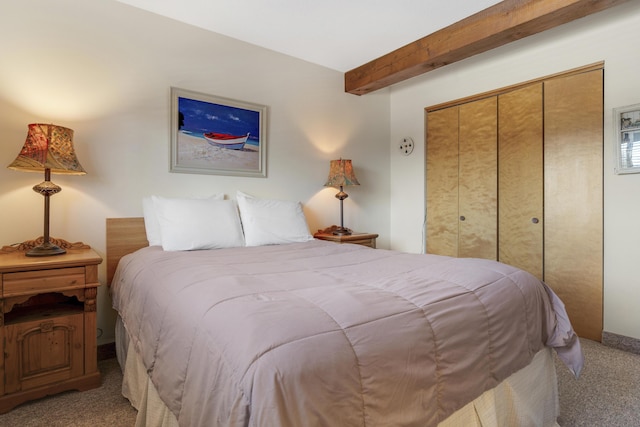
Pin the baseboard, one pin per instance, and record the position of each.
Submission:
(107, 351)
(620, 342)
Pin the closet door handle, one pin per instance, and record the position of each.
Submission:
(462, 218)
(535, 220)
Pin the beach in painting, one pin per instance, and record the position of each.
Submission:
(195, 151)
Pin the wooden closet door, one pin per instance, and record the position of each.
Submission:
(442, 182)
(573, 114)
(477, 179)
(520, 179)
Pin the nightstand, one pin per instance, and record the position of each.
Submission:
(47, 324)
(364, 239)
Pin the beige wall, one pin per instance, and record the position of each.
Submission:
(105, 70)
(609, 36)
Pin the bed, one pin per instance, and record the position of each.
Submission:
(312, 333)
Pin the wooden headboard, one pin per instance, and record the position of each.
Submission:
(124, 235)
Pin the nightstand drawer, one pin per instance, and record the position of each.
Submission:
(363, 239)
(33, 282)
(370, 242)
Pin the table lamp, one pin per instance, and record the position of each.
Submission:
(48, 148)
(340, 175)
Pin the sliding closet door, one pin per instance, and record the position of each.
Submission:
(520, 178)
(442, 182)
(573, 114)
(477, 179)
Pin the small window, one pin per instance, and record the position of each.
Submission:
(627, 139)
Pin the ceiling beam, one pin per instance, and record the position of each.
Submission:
(495, 26)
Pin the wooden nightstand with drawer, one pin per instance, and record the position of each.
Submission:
(365, 239)
(47, 324)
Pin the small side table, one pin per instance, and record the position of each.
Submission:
(47, 324)
(364, 239)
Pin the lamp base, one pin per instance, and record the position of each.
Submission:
(31, 244)
(341, 231)
(337, 230)
(46, 249)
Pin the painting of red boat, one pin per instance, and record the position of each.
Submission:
(226, 140)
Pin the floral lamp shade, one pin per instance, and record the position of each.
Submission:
(48, 147)
(341, 174)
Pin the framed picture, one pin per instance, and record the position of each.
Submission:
(219, 136)
(627, 138)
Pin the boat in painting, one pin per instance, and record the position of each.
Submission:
(226, 140)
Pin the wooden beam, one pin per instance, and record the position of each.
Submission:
(495, 26)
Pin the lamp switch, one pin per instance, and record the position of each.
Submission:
(406, 146)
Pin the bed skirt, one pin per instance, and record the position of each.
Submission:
(528, 398)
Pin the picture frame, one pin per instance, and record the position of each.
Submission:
(217, 136)
(626, 122)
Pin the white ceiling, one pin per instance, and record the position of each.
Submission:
(338, 34)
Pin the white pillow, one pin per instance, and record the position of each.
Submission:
(151, 225)
(272, 222)
(190, 224)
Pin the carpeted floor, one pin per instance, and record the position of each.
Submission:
(607, 394)
(100, 407)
